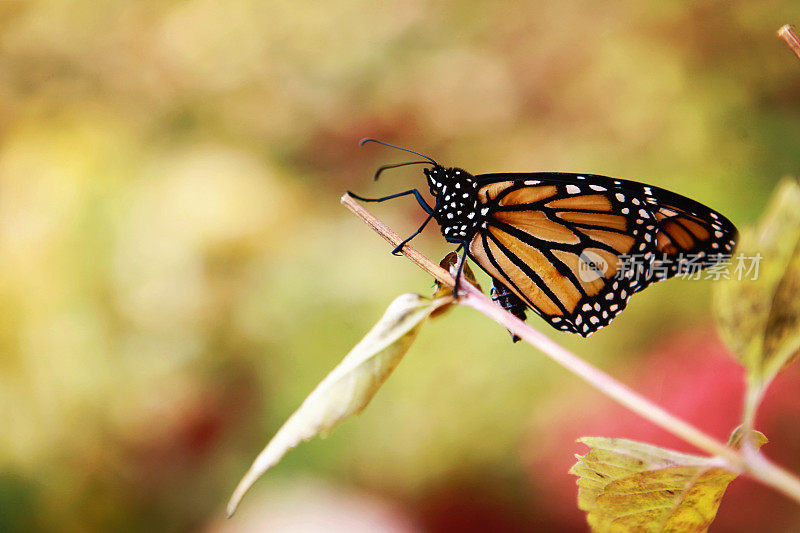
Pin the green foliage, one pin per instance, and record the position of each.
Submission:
(760, 318)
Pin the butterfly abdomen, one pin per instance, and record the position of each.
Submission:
(508, 301)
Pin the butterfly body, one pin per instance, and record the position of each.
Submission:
(572, 247)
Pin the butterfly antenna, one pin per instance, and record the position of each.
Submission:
(387, 167)
(369, 139)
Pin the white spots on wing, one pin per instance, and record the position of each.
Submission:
(625, 210)
(484, 210)
(620, 197)
(597, 188)
(532, 182)
(573, 189)
(594, 320)
(643, 213)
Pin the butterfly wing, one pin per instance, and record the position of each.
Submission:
(689, 236)
(560, 241)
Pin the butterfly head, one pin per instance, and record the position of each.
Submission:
(456, 192)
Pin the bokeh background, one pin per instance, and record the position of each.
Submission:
(176, 272)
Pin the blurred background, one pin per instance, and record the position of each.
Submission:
(177, 274)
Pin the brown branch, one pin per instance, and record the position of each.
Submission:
(394, 239)
(788, 34)
(756, 465)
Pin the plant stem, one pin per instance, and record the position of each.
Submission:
(788, 34)
(602, 381)
(394, 239)
(770, 474)
(752, 399)
(758, 466)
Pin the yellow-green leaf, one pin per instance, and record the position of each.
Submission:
(348, 388)
(626, 485)
(782, 333)
(760, 318)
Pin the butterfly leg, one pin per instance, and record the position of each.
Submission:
(399, 247)
(428, 209)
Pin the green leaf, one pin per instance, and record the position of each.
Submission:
(626, 485)
(782, 334)
(760, 318)
(347, 390)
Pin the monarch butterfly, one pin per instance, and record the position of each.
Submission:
(562, 244)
